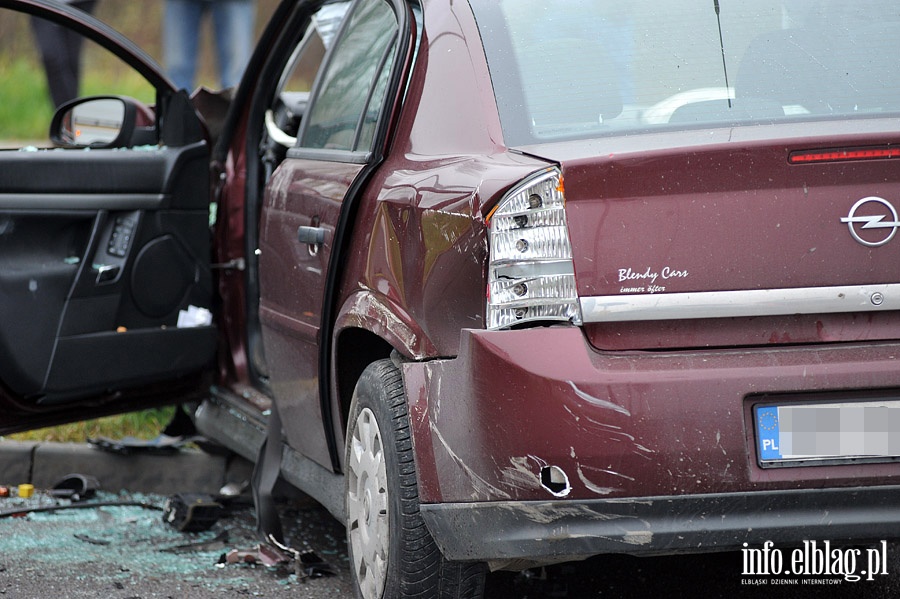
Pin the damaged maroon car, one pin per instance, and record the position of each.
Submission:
(501, 283)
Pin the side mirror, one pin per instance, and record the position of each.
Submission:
(95, 122)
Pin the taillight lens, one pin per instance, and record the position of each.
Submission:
(531, 276)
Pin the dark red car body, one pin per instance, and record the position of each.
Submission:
(714, 275)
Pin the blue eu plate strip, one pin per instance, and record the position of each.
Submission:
(767, 433)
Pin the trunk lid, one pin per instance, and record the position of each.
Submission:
(804, 251)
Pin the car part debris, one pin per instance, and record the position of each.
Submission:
(192, 512)
(76, 487)
(234, 489)
(162, 444)
(265, 476)
(313, 566)
(215, 544)
(264, 554)
(23, 511)
(306, 564)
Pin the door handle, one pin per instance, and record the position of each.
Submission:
(106, 273)
(311, 235)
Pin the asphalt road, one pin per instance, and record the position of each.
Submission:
(130, 553)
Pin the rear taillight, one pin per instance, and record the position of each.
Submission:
(531, 276)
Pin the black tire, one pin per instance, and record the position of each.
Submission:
(407, 563)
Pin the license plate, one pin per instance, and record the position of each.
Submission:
(825, 433)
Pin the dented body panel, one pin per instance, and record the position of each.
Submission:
(491, 426)
(621, 425)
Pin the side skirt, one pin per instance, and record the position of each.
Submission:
(225, 420)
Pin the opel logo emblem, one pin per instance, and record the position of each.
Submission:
(879, 209)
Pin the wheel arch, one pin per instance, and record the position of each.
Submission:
(368, 328)
(355, 349)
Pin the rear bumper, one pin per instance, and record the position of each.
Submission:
(534, 434)
(525, 533)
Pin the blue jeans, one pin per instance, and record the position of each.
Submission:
(233, 26)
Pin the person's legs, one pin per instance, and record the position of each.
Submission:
(233, 21)
(61, 81)
(60, 50)
(181, 31)
(72, 42)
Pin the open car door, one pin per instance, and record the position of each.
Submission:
(102, 245)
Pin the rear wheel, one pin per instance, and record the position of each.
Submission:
(392, 554)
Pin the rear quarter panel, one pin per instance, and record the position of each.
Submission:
(419, 240)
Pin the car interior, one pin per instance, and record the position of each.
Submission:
(102, 246)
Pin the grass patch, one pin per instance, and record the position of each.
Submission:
(146, 424)
(25, 106)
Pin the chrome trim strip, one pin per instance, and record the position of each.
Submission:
(752, 302)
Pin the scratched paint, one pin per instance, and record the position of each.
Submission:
(596, 401)
(593, 487)
(520, 475)
(481, 489)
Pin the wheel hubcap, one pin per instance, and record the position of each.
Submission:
(367, 505)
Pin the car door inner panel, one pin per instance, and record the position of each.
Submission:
(99, 252)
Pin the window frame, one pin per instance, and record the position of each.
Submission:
(356, 155)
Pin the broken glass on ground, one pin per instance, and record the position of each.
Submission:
(121, 539)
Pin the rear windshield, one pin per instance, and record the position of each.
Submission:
(566, 69)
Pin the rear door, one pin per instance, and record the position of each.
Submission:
(100, 250)
(306, 200)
